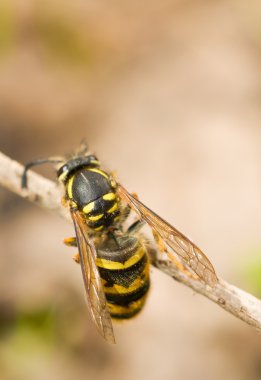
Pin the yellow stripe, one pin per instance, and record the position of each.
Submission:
(113, 208)
(88, 208)
(109, 196)
(107, 264)
(98, 171)
(69, 187)
(63, 175)
(134, 306)
(118, 289)
(96, 217)
(98, 228)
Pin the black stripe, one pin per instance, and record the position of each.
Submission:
(124, 277)
(127, 298)
(100, 206)
(133, 310)
(106, 220)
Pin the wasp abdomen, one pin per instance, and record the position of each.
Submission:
(124, 269)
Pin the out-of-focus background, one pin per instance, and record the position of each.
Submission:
(168, 94)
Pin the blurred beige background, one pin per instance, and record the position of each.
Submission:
(168, 94)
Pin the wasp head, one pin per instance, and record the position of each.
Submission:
(69, 167)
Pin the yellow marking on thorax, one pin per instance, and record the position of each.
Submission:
(89, 207)
(69, 187)
(113, 208)
(96, 217)
(109, 196)
(99, 171)
(63, 176)
(114, 265)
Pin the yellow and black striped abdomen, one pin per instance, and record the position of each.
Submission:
(92, 192)
(124, 269)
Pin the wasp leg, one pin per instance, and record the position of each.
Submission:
(138, 224)
(76, 258)
(112, 235)
(135, 195)
(124, 213)
(162, 247)
(64, 201)
(135, 227)
(54, 160)
(70, 242)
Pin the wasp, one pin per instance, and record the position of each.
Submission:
(115, 261)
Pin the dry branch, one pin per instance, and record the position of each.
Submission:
(47, 194)
(41, 191)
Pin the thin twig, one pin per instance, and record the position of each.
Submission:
(234, 300)
(47, 194)
(41, 191)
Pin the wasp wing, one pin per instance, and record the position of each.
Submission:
(180, 245)
(95, 295)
